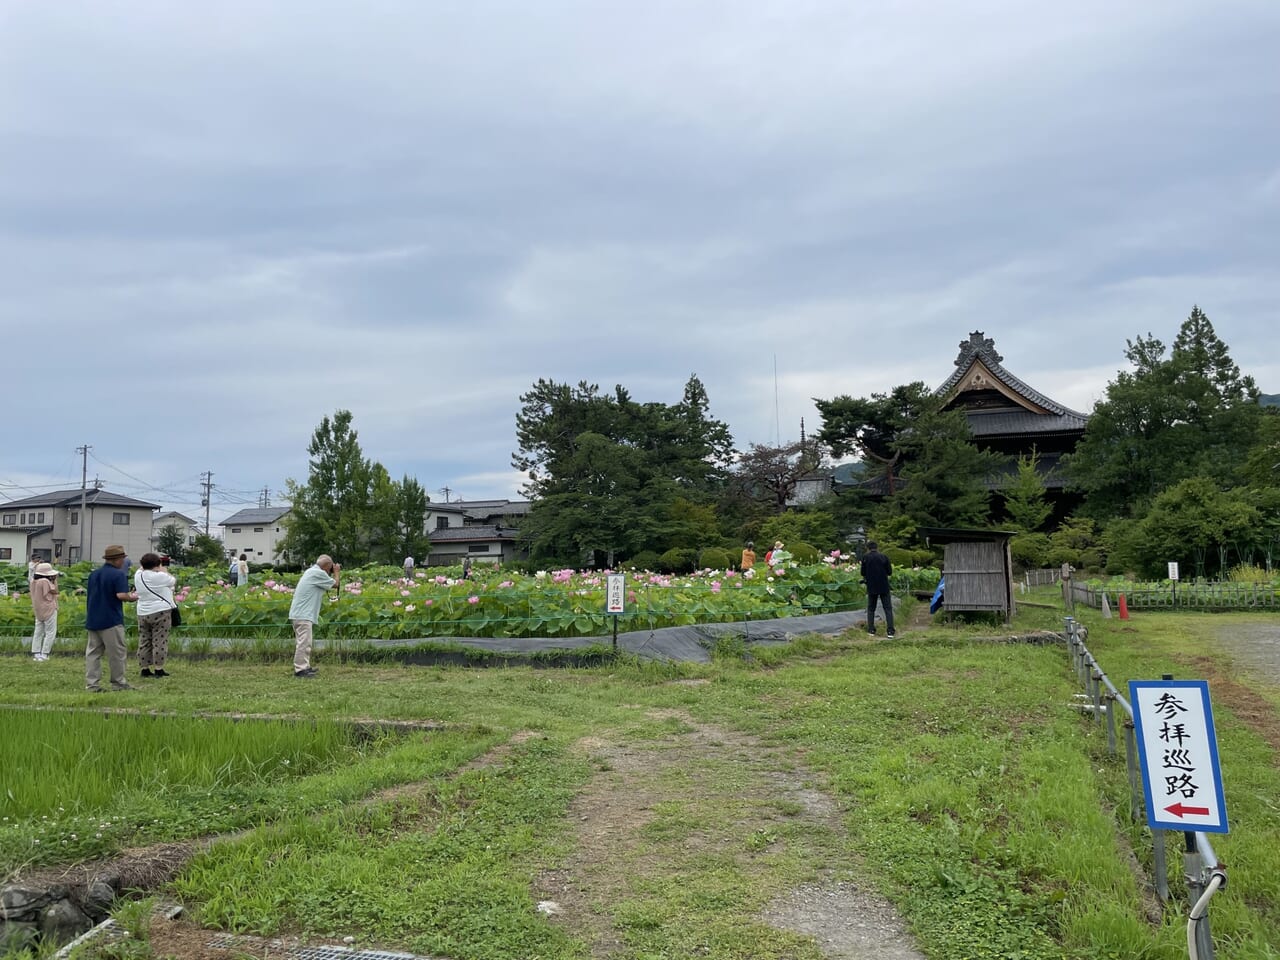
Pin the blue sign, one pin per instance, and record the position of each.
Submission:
(1178, 749)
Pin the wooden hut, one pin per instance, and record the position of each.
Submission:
(978, 568)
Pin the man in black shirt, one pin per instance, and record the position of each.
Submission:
(876, 571)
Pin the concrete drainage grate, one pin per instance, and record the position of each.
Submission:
(294, 951)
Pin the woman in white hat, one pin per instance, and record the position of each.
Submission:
(44, 602)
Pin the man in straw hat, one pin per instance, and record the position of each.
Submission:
(44, 603)
(108, 589)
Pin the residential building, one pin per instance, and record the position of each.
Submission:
(482, 542)
(59, 530)
(256, 532)
(484, 530)
(171, 518)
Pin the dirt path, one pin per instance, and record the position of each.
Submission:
(706, 791)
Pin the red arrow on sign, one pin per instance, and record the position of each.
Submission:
(1178, 810)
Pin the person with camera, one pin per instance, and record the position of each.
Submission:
(304, 612)
(106, 592)
(154, 584)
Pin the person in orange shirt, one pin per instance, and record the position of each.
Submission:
(748, 557)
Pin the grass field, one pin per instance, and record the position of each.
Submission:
(668, 809)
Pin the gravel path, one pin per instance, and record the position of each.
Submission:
(1255, 648)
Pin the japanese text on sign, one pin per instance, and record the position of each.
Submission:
(1179, 753)
(615, 593)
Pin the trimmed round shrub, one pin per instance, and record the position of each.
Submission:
(804, 552)
(644, 560)
(1030, 550)
(899, 556)
(715, 558)
(678, 560)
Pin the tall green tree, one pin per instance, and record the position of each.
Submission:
(205, 550)
(875, 428)
(1196, 523)
(934, 474)
(605, 471)
(171, 542)
(1025, 501)
(1167, 419)
(329, 512)
(350, 507)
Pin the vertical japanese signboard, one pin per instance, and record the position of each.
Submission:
(615, 593)
(1173, 569)
(1179, 753)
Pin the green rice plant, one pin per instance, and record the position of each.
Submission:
(81, 762)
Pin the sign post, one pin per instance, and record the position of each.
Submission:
(615, 603)
(1178, 748)
(1173, 576)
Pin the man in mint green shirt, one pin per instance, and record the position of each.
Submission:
(304, 612)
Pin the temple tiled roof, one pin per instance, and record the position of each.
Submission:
(1055, 417)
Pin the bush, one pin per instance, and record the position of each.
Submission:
(899, 556)
(678, 560)
(715, 558)
(804, 552)
(1030, 550)
(644, 560)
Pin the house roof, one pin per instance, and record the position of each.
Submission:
(1019, 408)
(68, 498)
(173, 515)
(507, 507)
(445, 508)
(475, 533)
(252, 515)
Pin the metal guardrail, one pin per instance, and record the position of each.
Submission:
(1205, 874)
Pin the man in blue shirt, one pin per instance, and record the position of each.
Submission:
(107, 591)
(304, 612)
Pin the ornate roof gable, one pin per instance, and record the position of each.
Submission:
(978, 367)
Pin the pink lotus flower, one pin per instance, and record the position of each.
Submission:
(428, 602)
(404, 593)
(410, 608)
(473, 599)
(506, 583)
(396, 603)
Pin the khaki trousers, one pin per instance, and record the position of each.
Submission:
(302, 644)
(110, 640)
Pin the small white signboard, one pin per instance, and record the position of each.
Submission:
(1173, 569)
(1179, 752)
(615, 593)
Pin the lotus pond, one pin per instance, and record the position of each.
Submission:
(378, 602)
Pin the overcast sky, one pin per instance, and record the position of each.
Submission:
(221, 222)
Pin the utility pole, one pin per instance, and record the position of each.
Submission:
(446, 491)
(264, 498)
(206, 479)
(84, 481)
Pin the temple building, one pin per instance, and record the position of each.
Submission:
(1012, 418)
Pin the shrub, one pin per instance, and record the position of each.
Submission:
(644, 560)
(1030, 550)
(804, 552)
(1247, 573)
(678, 560)
(899, 556)
(715, 558)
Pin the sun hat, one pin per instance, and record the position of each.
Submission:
(112, 552)
(46, 570)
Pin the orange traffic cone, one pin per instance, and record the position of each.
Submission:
(1124, 608)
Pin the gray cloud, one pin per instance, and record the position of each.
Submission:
(234, 223)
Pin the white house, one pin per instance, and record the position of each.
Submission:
(171, 518)
(255, 532)
(57, 533)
